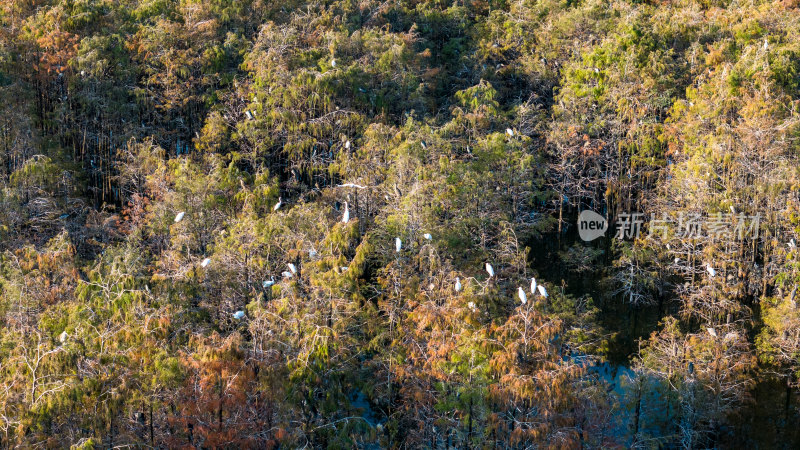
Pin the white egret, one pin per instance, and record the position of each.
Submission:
(471, 306)
(63, 336)
(312, 253)
(179, 216)
(343, 268)
(333, 62)
(427, 236)
(677, 260)
(533, 286)
(346, 216)
(792, 244)
(292, 268)
(458, 284)
(712, 331)
(522, 297)
(542, 291)
(510, 132)
(268, 283)
(347, 145)
(710, 270)
(278, 205)
(238, 315)
(205, 262)
(398, 244)
(286, 274)
(489, 270)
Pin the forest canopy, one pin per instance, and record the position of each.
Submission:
(341, 224)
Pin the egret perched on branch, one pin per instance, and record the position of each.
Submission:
(286, 274)
(347, 145)
(458, 284)
(542, 291)
(712, 331)
(205, 262)
(268, 283)
(533, 286)
(346, 216)
(427, 236)
(510, 132)
(238, 315)
(292, 268)
(710, 270)
(398, 245)
(489, 270)
(278, 205)
(333, 62)
(179, 216)
(522, 297)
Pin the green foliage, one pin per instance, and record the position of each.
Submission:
(176, 270)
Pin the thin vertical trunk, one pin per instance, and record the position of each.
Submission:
(152, 431)
(219, 410)
(469, 433)
(788, 404)
(637, 413)
(560, 216)
(111, 428)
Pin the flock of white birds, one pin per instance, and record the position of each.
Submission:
(523, 297)
(398, 246)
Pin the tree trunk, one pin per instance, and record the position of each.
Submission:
(152, 431)
(469, 432)
(788, 405)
